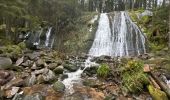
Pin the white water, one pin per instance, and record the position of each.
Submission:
(48, 34)
(124, 39)
(127, 38)
(102, 44)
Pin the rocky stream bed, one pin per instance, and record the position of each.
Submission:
(39, 75)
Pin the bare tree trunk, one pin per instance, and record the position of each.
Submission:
(169, 27)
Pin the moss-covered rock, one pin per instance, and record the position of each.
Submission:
(157, 94)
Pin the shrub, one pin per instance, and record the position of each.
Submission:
(103, 70)
(133, 77)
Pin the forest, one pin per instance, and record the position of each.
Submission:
(84, 49)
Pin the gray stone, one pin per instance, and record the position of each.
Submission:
(5, 63)
(40, 63)
(52, 65)
(19, 61)
(36, 96)
(31, 80)
(59, 86)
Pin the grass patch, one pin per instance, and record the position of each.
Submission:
(133, 77)
(103, 70)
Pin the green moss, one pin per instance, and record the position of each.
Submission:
(22, 45)
(11, 50)
(157, 94)
(133, 77)
(103, 70)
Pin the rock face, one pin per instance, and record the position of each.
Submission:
(59, 86)
(5, 63)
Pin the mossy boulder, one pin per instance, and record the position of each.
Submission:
(157, 94)
(59, 70)
(5, 63)
(59, 86)
(71, 67)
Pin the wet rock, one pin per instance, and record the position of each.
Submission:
(11, 92)
(90, 71)
(52, 65)
(5, 76)
(36, 96)
(92, 82)
(63, 76)
(31, 80)
(59, 86)
(5, 63)
(71, 67)
(59, 70)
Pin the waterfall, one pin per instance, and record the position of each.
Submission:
(125, 39)
(48, 34)
(102, 44)
(128, 40)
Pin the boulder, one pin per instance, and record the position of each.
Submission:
(40, 63)
(59, 86)
(52, 65)
(46, 77)
(5, 63)
(59, 70)
(71, 67)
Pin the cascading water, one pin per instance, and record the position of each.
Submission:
(102, 44)
(125, 39)
(48, 34)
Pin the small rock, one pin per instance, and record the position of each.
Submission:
(5, 76)
(59, 70)
(47, 77)
(12, 92)
(34, 66)
(36, 96)
(31, 80)
(41, 71)
(59, 86)
(146, 68)
(52, 65)
(28, 63)
(19, 61)
(5, 63)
